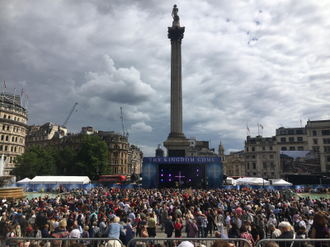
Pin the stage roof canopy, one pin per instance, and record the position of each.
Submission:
(59, 180)
(24, 181)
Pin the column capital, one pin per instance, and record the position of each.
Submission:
(175, 33)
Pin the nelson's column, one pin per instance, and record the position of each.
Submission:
(176, 143)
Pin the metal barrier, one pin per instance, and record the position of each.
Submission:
(171, 242)
(61, 242)
(296, 242)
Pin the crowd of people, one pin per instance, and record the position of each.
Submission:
(126, 214)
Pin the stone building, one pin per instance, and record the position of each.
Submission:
(13, 126)
(41, 134)
(291, 139)
(221, 153)
(234, 164)
(58, 138)
(261, 157)
(135, 159)
(199, 149)
(318, 139)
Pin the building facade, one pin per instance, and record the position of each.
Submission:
(261, 157)
(318, 138)
(58, 138)
(135, 160)
(234, 164)
(13, 128)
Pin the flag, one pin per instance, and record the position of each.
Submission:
(15, 89)
(262, 127)
(248, 129)
(4, 83)
(27, 95)
(22, 92)
(300, 121)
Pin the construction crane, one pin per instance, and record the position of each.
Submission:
(67, 119)
(125, 133)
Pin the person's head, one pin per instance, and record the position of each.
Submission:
(170, 217)
(284, 226)
(271, 244)
(46, 226)
(234, 226)
(320, 220)
(220, 243)
(217, 234)
(116, 220)
(86, 228)
(253, 225)
(177, 220)
(248, 223)
(271, 227)
(62, 224)
(242, 229)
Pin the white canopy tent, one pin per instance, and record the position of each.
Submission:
(60, 180)
(280, 182)
(24, 181)
(252, 181)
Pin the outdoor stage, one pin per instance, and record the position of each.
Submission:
(183, 172)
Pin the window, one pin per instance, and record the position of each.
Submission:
(6, 138)
(115, 154)
(16, 139)
(300, 148)
(5, 116)
(6, 148)
(272, 165)
(15, 118)
(328, 158)
(1, 147)
(8, 117)
(254, 173)
(12, 139)
(316, 148)
(264, 165)
(314, 141)
(271, 156)
(326, 141)
(254, 165)
(10, 160)
(270, 147)
(247, 149)
(248, 165)
(314, 133)
(2, 137)
(283, 148)
(15, 149)
(325, 132)
(283, 139)
(263, 148)
(12, 149)
(282, 132)
(292, 148)
(299, 139)
(3, 127)
(327, 149)
(263, 156)
(253, 156)
(253, 149)
(291, 139)
(290, 132)
(299, 132)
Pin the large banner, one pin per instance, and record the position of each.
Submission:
(307, 161)
(149, 175)
(214, 175)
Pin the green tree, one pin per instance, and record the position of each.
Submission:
(35, 162)
(66, 162)
(92, 157)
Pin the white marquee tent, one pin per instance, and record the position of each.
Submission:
(24, 181)
(60, 180)
(252, 181)
(280, 182)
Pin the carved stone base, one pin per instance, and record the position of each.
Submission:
(176, 142)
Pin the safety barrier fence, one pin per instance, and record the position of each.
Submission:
(172, 242)
(61, 242)
(295, 242)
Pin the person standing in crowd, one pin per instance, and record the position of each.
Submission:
(320, 229)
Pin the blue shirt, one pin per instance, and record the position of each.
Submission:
(114, 230)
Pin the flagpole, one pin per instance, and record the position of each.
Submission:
(14, 95)
(3, 92)
(258, 128)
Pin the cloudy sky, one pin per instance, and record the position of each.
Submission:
(243, 62)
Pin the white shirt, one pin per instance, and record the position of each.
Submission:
(75, 233)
